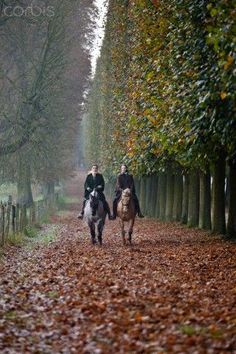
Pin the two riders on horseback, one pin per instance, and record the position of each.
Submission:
(95, 180)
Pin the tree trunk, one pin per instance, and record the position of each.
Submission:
(154, 195)
(162, 180)
(178, 196)
(184, 216)
(148, 189)
(227, 192)
(142, 194)
(49, 189)
(231, 226)
(24, 191)
(169, 195)
(205, 201)
(193, 200)
(149, 200)
(137, 186)
(218, 195)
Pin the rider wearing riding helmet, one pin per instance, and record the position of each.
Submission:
(125, 180)
(95, 180)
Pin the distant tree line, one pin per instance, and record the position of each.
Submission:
(44, 71)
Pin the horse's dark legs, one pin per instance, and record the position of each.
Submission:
(92, 233)
(100, 229)
(114, 206)
(122, 224)
(81, 214)
(130, 237)
(131, 231)
(107, 208)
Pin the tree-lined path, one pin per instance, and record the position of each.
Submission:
(173, 291)
(161, 100)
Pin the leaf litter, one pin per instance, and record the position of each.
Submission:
(172, 291)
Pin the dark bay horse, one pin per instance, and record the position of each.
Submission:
(95, 215)
(127, 213)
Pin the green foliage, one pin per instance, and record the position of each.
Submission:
(30, 231)
(164, 92)
(63, 201)
(15, 240)
(188, 329)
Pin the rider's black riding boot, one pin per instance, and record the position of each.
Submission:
(81, 214)
(107, 209)
(137, 206)
(114, 209)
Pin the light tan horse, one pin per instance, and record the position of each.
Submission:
(126, 212)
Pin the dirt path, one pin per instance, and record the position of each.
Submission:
(173, 291)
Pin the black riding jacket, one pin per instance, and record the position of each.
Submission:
(125, 180)
(94, 182)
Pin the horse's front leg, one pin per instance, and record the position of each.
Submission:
(92, 232)
(131, 230)
(100, 229)
(123, 231)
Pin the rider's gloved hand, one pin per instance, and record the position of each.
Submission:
(99, 187)
(89, 189)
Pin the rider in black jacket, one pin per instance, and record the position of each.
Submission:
(95, 180)
(125, 180)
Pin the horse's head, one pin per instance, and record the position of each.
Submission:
(126, 192)
(94, 201)
(125, 198)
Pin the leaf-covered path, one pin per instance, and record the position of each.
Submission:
(173, 291)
